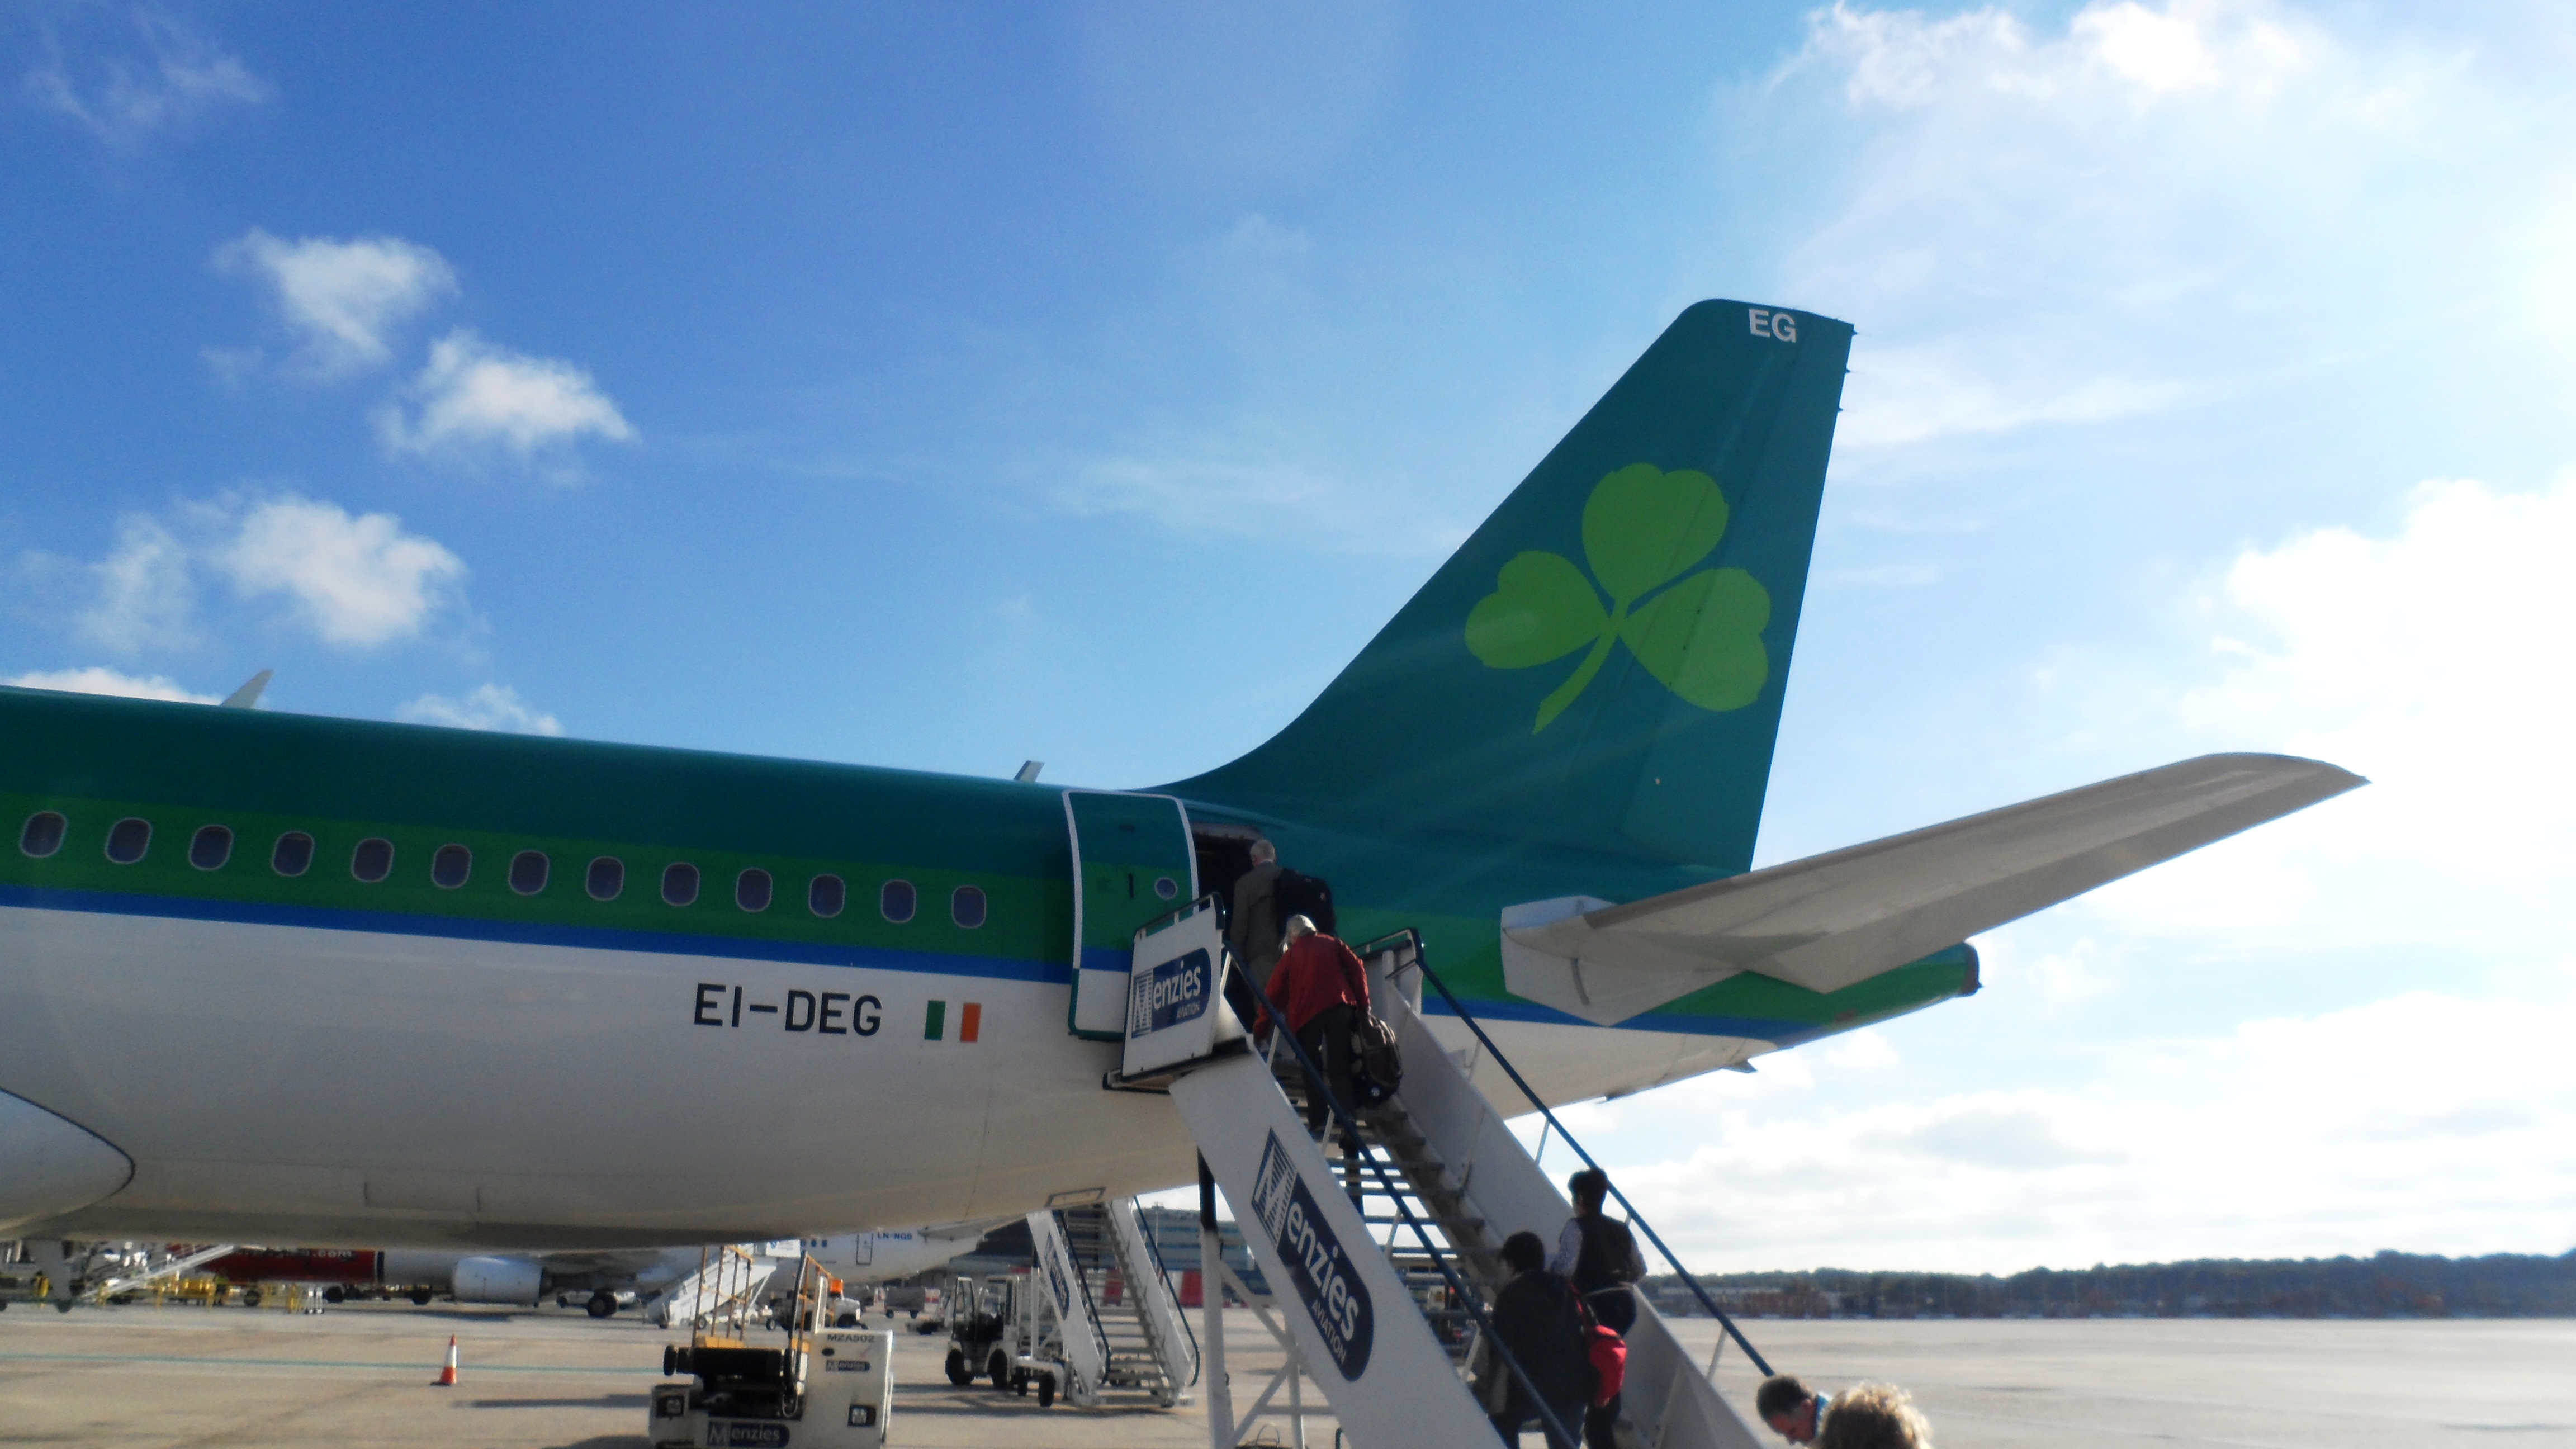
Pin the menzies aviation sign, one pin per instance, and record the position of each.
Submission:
(1171, 997)
(1333, 1294)
(1170, 994)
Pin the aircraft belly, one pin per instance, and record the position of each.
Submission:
(292, 1083)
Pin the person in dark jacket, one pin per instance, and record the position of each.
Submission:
(1598, 1252)
(1539, 1319)
(1322, 989)
(1252, 929)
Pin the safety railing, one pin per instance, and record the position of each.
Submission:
(1154, 1251)
(1459, 1009)
(1389, 1177)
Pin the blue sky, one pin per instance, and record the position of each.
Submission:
(946, 387)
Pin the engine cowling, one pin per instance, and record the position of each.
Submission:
(49, 1166)
(499, 1280)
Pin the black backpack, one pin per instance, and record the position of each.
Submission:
(1603, 1263)
(1299, 894)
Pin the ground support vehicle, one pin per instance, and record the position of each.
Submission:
(981, 1316)
(1035, 1338)
(820, 1388)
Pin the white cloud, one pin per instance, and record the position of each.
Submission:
(1900, 395)
(145, 597)
(2427, 1121)
(473, 394)
(2045, 224)
(340, 297)
(492, 707)
(1257, 238)
(173, 79)
(1222, 489)
(96, 680)
(354, 580)
(2434, 661)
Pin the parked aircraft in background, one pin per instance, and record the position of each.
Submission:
(605, 1279)
(549, 994)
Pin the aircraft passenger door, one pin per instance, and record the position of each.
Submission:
(1132, 862)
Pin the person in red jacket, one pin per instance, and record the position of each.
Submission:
(1322, 990)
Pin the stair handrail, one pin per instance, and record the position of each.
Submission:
(1387, 1175)
(1082, 1280)
(1634, 1217)
(1154, 1250)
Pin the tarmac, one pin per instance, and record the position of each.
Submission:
(358, 1376)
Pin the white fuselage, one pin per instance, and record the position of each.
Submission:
(376, 1088)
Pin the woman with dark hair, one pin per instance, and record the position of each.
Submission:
(1540, 1321)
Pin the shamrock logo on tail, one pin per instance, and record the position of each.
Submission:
(1642, 529)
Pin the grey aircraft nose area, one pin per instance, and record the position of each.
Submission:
(158, 1378)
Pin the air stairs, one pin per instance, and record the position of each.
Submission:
(160, 1266)
(1118, 1318)
(728, 1285)
(1384, 1270)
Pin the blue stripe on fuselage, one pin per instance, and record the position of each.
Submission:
(466, 928)
(876, 958)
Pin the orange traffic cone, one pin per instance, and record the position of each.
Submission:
(447, 1376)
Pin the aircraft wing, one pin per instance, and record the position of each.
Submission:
(1831, 920)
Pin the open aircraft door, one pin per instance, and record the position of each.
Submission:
(1132, 862)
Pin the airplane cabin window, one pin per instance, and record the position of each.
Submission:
(607, 878)
(752, 889)
(373, 860)
(42, 835)
(528, 871)
(127, 839)
(211, 847)
(679, 884)
(293, 854)
(966, 906)
(896, 901)
(451, 867)
(826, 895)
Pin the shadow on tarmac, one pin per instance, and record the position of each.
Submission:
(983, 1403)
(601, 1401)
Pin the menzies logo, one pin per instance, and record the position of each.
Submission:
(1327, 1282)
(1643, 528)
(1172, 993)
(1056, 1285)
(727, 1434)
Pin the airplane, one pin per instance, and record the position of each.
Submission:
(281, 978)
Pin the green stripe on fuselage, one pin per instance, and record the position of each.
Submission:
(182, 766)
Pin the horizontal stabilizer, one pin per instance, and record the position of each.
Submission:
(1829, 921)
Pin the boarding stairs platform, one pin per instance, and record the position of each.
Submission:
(162, 1266)
(729, 1283)
(1383, 1266)
(1118, 1317)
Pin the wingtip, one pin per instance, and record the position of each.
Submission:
(2322, 771)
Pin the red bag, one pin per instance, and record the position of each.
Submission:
(1609, 1355)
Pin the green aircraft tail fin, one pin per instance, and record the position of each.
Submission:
(1600, 667)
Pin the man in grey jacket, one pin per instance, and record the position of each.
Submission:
(1253, 929)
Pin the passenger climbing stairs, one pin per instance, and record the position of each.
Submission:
(1384, 1265)
(1119, 1320)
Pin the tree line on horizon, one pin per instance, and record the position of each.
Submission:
(2388, 1284)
